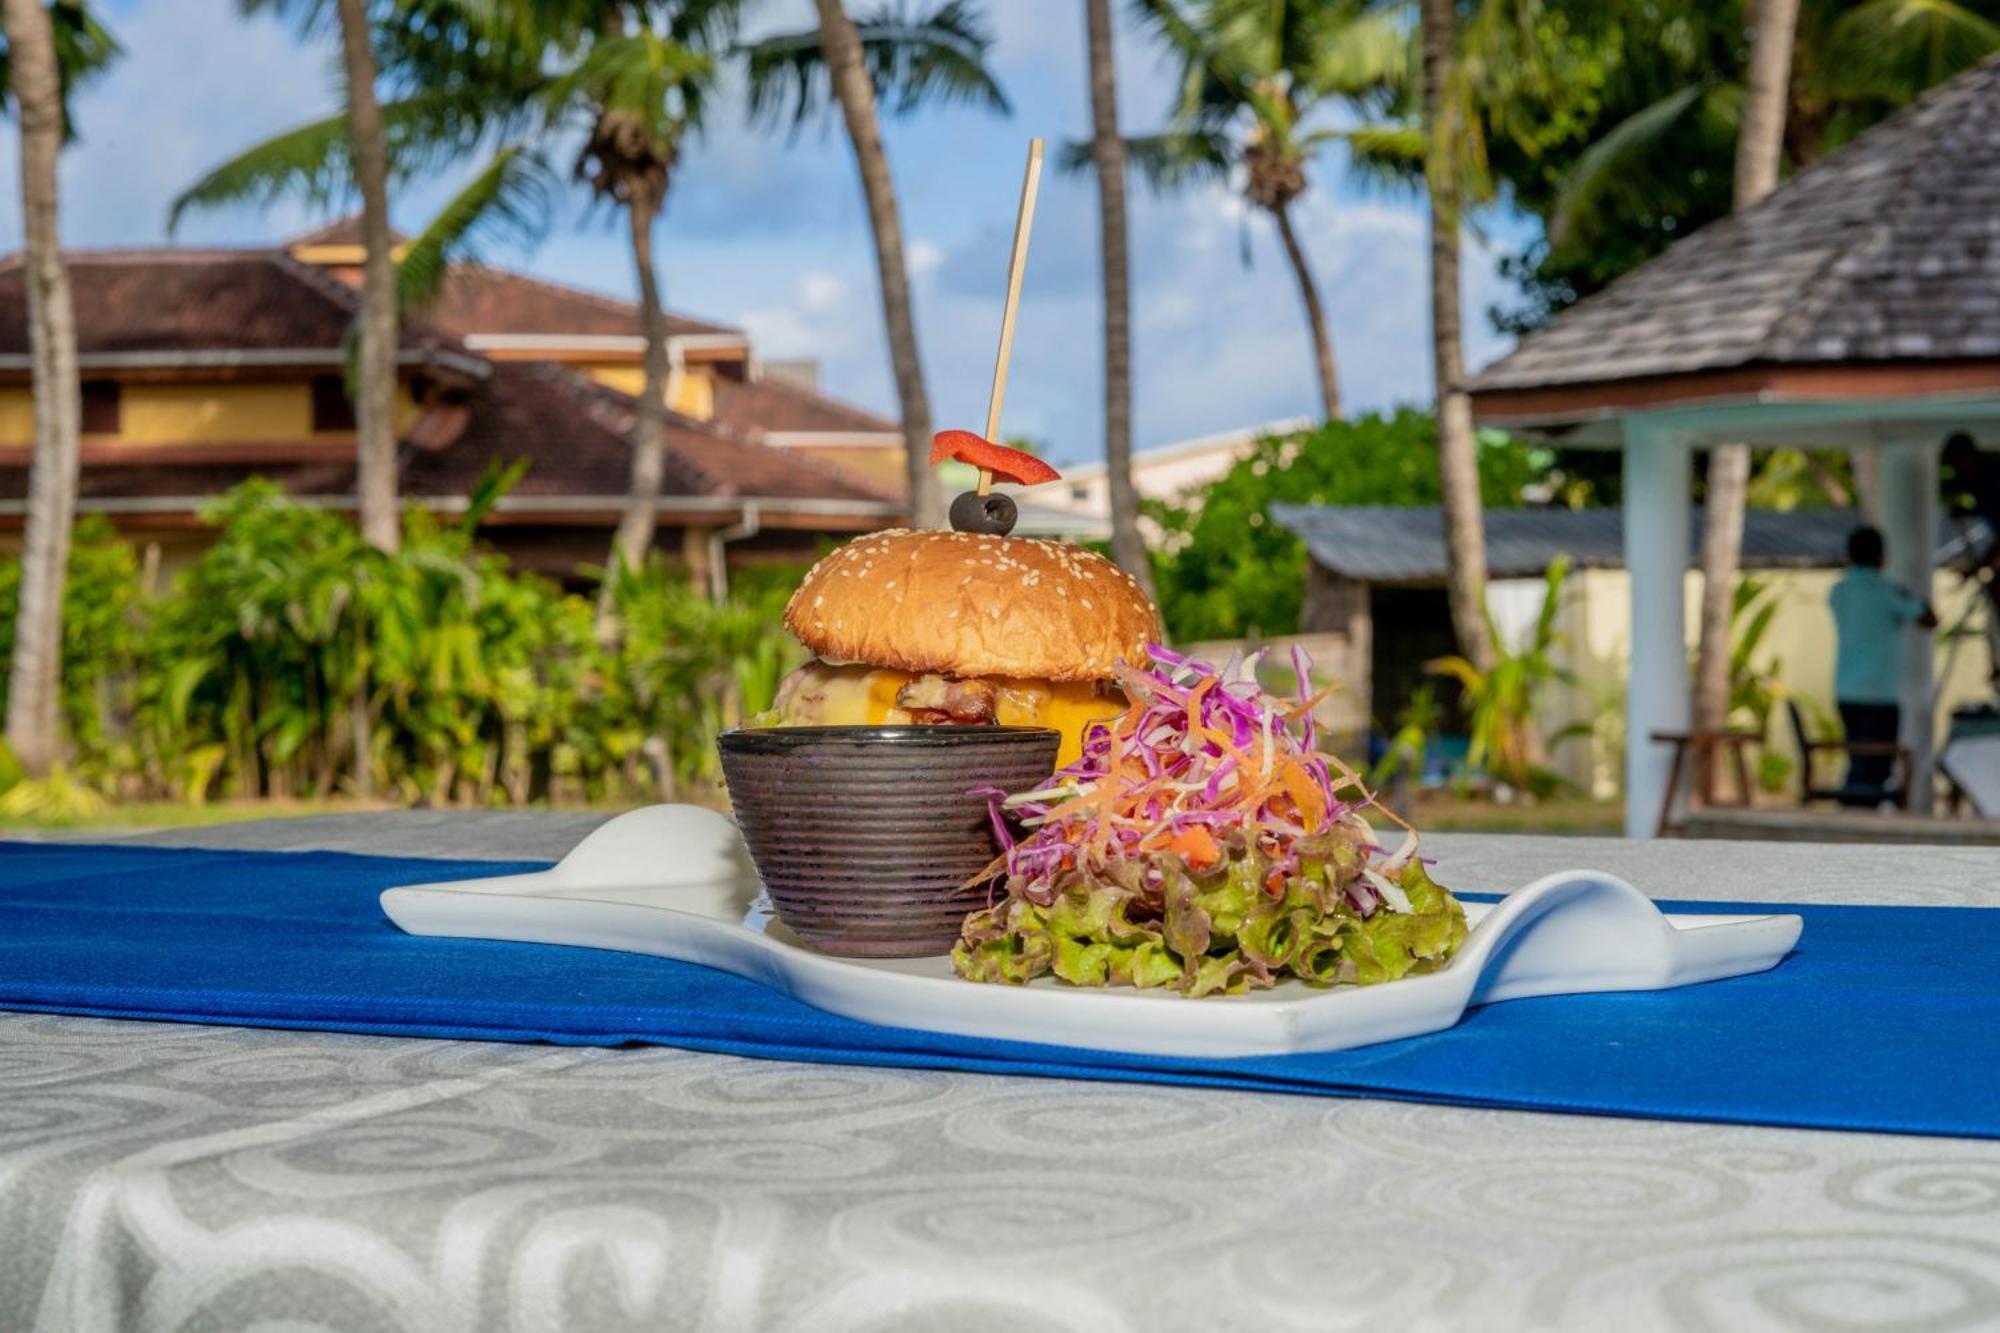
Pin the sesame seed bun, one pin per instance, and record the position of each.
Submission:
(969, 605)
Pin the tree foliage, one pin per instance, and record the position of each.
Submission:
(482, 685)
(1225, 569)
(1636, 134)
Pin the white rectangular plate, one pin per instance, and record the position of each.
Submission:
(673, 881)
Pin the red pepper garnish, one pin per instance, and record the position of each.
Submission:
(1004, 463)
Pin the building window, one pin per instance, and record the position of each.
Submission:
(100, 407)
(332, 408)
(1079, 493)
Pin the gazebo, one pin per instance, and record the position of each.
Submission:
(1858, 306)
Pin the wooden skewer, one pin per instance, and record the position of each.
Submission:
(1024, 222)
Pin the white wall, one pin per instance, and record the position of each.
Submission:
(1801, 639)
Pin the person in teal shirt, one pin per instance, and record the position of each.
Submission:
(1871, 616)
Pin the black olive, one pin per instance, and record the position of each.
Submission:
(994, 514)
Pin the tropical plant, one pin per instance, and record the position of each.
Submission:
(291, 658)
(1226, 570)
(1503, 699)
(1403, 757)
(911, 59)
(50, 49)
(1259, 85)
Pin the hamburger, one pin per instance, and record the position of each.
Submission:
(939, 628)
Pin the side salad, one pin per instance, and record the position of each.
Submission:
(1203, 845)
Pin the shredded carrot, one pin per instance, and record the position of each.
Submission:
(1196, 846)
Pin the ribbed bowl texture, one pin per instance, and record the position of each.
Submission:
(864, 835)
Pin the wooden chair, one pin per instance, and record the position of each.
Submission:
(1898, 789)
(1701, 747)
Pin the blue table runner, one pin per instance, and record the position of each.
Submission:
(1884, 1018)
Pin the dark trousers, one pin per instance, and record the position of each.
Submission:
(1868, 774)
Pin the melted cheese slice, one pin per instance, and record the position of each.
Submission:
(818, 694)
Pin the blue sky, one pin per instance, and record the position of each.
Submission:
(770, 235)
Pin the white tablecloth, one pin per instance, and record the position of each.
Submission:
(170, 1177)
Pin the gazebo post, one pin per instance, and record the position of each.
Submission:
(1658, 481)
(1909, 505)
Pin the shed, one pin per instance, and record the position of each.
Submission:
(1375, 576)
(1857, 306)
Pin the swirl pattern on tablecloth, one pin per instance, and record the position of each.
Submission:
(169, 1177)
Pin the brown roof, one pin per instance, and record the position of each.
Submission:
(575, 431)
(524, 407)
(477, 299)
(1884, 252)
(168, 301)
(767, 406)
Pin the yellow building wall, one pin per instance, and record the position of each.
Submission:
(695, 396)
(17, 417)
(200, 413)
(881, 464)
(1596, 622)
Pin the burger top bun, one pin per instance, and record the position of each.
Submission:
(966, 604)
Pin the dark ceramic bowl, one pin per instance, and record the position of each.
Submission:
(864, 835)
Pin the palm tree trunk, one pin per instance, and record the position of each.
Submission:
(375, 399)
(1759, 142)
(1458, 459)
(35, 673)
(1329, 380)
(634, 537)
(841, 45)
(1107, 151)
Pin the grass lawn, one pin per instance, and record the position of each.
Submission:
(1440, 811)
(143, 816)
(1435, 811)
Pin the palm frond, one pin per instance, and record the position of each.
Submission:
(1895, 49)
(914, 60)
(512, 199)
(313, 162)
(1172, 160)
(1599, 165)
(660, 82)
(1387, 156)
(84, 47)
(1370, 55)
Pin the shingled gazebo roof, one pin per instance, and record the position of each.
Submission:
(1874, 273)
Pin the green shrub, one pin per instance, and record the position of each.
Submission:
(291, 659)
(1227, 570)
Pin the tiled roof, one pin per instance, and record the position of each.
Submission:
(775, 406)
(576, 433)
(164, 301)
(1382, 545)
(1887, 250)
(525, 406)
(476, 299)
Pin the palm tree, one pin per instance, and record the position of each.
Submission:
(359, 151)
(375, 380)
(1107, 152)
(917, 57)
(1255, 75)
(46, 53)
(1445, 130)
(1759, 146)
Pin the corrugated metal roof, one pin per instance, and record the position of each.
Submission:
(1886, 250)
(1381, 545)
